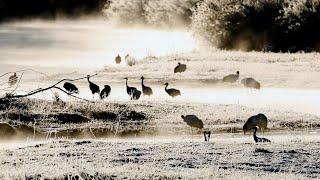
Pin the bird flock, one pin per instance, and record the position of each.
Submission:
(94, 88)
(252, 124)
(133, 92)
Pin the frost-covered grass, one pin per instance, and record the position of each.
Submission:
(275, 70)
(289, 156)
(72, 119)
(280, 70)
(103, 119)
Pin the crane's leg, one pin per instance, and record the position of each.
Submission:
(34, 130)
(192, 133)
(192, 136)
(205, 135)
(92, 132)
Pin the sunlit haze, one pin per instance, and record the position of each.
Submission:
(88, 43)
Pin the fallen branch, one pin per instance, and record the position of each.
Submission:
(39, 90)
(72, 94)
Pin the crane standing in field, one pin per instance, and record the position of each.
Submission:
(118, 59)
(136, 95)
(105, 92)
(93, 87)
(130, 90)
(147, 91)
(130, 60)
(251, 83)
(231, 78)
(172, 92)
(194, 122)
(70, 88)
(13, 80)
(180, 68)
(259, 120)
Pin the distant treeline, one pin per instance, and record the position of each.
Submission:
(269, 25)
(19, 9)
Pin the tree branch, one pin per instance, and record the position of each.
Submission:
(23, 70)
(72, 94)
(50, 87)
(18, 83)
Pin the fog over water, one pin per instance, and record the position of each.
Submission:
(84, 43)
(285, 99)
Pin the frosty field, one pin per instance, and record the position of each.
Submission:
(227, 156)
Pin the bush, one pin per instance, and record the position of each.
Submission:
(273, 25)
(163, 13)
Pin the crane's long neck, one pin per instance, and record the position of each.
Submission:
(254, 134)
(127, 83)
(166, 87)
(142, 82)
(88, 79)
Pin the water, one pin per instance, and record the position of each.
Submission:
(84, 43)
(297, 100)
